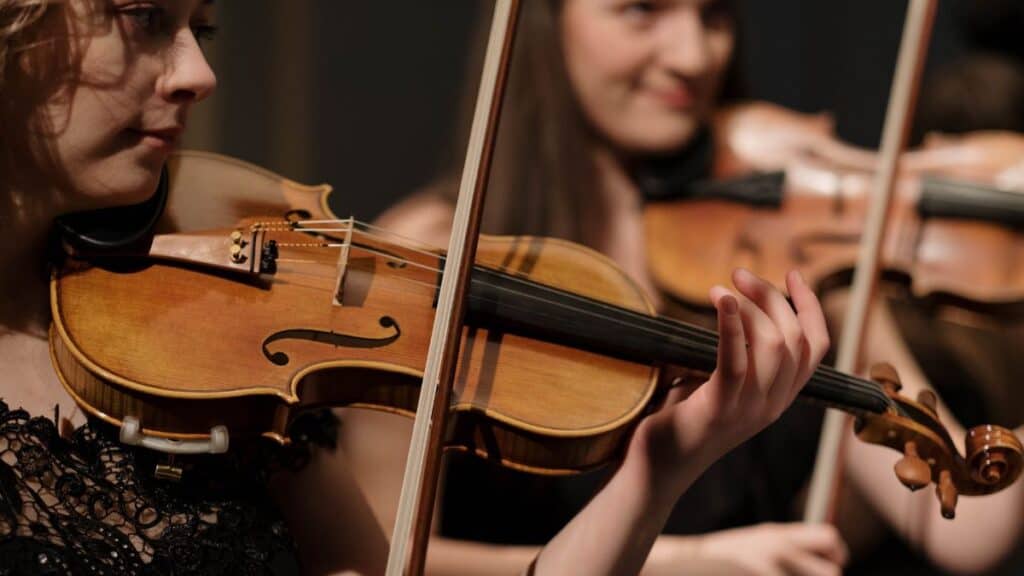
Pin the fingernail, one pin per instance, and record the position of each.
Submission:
(729, 304)
(798, 276)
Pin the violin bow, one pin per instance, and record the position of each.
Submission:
(422, 468)
(917, 27)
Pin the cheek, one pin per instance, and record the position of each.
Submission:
(104, 164)
(603, 51)
(101, 163)
(84, 116)
(605, 62)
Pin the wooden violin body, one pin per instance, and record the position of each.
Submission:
(185, 348)
(194, 350)
(209, 191)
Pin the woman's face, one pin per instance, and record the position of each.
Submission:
(111, 127)
(646, 72)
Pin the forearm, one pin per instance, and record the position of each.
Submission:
(668, 556)
(447, 557)
(673, 555)
(616, 530)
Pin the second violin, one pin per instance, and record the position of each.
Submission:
(801, 203)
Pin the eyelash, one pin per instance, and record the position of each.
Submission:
(151, 20)
(640, 7)
(148, 18)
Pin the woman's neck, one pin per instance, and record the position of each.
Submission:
(622, 237)
(618, 189)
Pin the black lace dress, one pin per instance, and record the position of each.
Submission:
(89, 505)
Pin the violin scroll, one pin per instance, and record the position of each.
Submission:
(993, 456)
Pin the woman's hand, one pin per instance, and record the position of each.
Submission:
(766, 353)
(761, 550)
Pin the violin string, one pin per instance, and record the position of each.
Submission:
(701, 335)
(373, 231)
(377, 232)
(835, 379)
(697, 334)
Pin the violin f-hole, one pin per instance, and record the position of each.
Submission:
(331, 337)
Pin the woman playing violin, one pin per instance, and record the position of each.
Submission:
(605, 96)
(95, 96)
(607, 99)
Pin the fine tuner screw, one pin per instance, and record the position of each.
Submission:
(236, 253)
(237, 243)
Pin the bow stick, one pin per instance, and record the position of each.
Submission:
(913, 47)
(419, 485)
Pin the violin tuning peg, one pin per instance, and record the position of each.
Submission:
(886, 375)
(929, 400)
(912, 471)
(947, 494)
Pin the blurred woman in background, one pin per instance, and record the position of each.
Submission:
(607, 99)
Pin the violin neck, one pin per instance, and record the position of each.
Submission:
(942, 198)
(762, 189)
(500, 301)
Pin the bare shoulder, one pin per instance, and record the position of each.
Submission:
(424, 216)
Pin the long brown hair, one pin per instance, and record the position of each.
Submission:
(16, 16)
(543, 177)
(40, 58)
(541, 172)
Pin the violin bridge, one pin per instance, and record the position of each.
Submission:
(343, 253)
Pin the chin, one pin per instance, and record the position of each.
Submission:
(136, 187)
(658, 136)
(121, 185)
(661, 142)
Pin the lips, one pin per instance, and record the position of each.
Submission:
(170, 134)
(160, 138)
(676, 97)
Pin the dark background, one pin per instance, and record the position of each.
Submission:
(362, 95)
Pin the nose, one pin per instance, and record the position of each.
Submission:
(684, 44)
(188, 78)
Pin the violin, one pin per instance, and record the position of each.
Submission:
(787, 194)
(201, 339)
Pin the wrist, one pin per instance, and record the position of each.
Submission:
(664, 470)
(669, 551)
